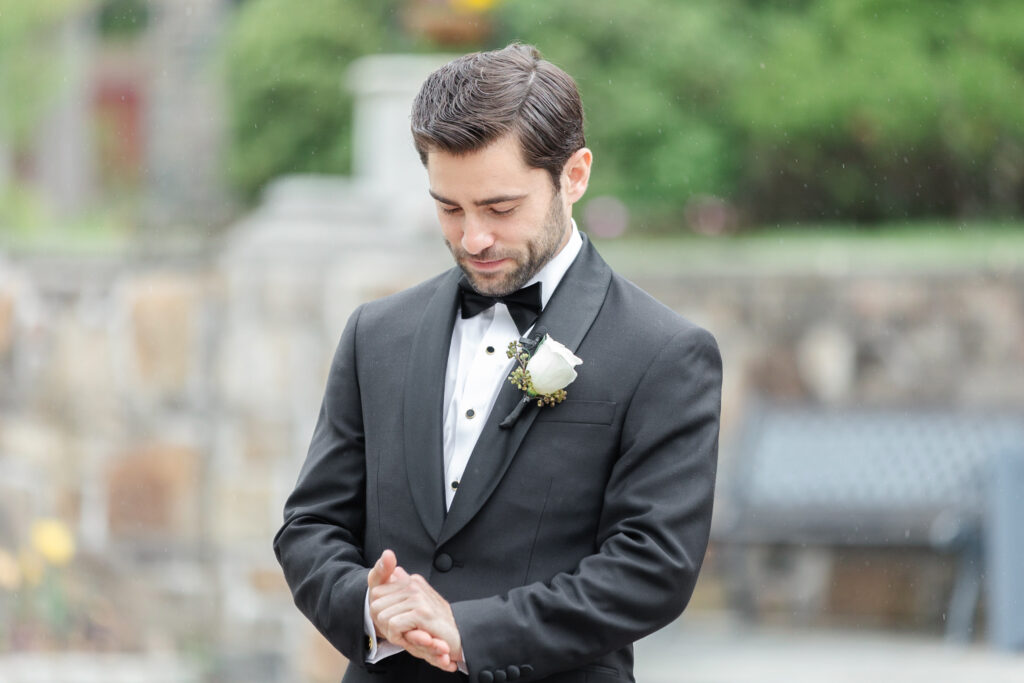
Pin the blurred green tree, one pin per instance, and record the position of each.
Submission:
(655, 78)
(29, 80)
(285, 64)
(796, 109)
(790, 110)
(123, 19)
(28, 74)
(883, 109)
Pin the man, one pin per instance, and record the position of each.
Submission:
(441, 526)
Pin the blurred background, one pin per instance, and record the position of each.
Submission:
(194, 195)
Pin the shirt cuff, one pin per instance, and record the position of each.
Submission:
(376, 650)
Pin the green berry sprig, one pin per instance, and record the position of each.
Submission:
(520, 377)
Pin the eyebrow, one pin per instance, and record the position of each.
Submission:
(482, 202)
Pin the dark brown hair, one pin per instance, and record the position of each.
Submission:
(476, 99)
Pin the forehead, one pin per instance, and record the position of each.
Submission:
(497, 168)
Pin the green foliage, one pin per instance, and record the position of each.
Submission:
(29, 74)
(797, 110)
(285, 69)
(123, 18)
(885, 108)
(651, 74)
(791, 110)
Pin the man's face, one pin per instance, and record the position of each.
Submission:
(501, 219)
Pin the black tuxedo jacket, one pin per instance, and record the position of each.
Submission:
(574, 533)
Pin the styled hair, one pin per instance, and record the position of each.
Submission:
(472, 101)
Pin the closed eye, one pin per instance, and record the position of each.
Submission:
(451, 211)
(498, 212)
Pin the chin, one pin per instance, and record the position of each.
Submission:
(486, 283)
(488, 286)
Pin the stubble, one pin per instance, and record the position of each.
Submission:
(529, 261)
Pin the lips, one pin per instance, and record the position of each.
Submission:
(486, 266)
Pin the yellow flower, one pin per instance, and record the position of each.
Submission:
(52, 539)
(473, 5)
(10, 573)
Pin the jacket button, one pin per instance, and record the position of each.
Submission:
(443, 563)
(499, 676)
(513, 673)
(526, 669)
(486, 677)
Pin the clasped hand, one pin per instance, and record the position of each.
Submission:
(408, 612)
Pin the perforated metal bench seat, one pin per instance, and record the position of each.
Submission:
(866, 478)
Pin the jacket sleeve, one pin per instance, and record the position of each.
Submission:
(320, 545)
(652, 534)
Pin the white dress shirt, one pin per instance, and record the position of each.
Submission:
(478, 365)
(477, 369)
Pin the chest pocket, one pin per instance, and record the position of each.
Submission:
(580, 412)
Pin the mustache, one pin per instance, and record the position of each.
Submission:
(488, 254)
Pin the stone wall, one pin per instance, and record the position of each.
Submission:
(951, 338)
(162, 408)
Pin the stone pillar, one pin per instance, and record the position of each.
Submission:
(383, 156)
(64, 156)
(184, 128)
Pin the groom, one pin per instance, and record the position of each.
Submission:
(438, 532)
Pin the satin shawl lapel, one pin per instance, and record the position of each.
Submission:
(567, 317)
(423, 405)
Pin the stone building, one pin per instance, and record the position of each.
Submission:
(132, 116)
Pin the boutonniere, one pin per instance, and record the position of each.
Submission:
(542, 375)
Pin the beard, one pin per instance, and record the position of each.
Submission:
(528, 260)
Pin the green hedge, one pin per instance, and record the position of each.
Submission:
(285, 63)
(30, 77)
(791, 110)
(801, 109)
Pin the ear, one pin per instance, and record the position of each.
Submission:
(576, 174)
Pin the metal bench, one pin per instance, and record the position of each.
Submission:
(804, 476)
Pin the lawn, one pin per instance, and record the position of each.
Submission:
(831, 249)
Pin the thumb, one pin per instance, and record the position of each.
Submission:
(382, 569)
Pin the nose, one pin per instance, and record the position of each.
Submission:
(476, 236)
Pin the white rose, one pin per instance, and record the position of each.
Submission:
(551, 367)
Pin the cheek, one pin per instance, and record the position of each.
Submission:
(520, 229)
(451, 228)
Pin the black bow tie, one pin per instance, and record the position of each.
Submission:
(523, 304)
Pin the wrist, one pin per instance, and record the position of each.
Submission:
(456, 642)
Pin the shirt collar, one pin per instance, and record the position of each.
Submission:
(554, 270)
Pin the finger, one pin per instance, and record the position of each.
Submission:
(440, 660)
(409, 597)
(400, 620)
(418, 636)
(423, 639)
(395, 621)
(402, 625)
(393, 587)
(443, 661)
(382, 569)
(387, 606)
